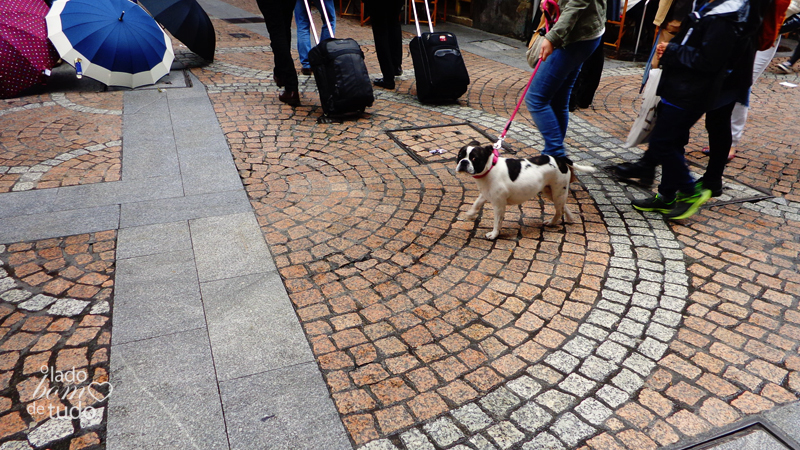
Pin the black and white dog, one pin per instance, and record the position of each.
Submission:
(505, 181)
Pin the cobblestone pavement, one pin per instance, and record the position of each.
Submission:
(60, 139)
(56, 333)
(619, 331)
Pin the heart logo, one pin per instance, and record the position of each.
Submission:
(96, 394)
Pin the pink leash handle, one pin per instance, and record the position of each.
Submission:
(551, 18)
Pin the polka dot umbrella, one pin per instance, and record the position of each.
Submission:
(113, 41)
(25, 52)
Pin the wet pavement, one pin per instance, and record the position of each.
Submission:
(269, 281)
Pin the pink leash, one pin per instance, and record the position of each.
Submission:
(546, 6)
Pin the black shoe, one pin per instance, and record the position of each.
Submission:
(290, 97)
(277, 80)
(655, 203)
(306, 71)
(687, 205)
(716, 189)
(398, 72)
(381, 82)
(645, 173)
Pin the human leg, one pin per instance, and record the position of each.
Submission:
(739, 115)
(787, 65)
(738, 120)
(719, 142)
(591, 71)
(278, 19)
(548, 96)
(303, 23)
(395, 35)
(678, 197)
(379, 11)
(329, 8)
(667, 142)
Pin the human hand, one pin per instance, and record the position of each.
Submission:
(546, 50)
(660, 49)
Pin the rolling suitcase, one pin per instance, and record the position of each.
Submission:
(438, 64)
(341, 75)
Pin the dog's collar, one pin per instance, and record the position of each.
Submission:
(495, 156)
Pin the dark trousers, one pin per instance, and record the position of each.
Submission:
(667, 145)
(385, 18)
(718, 124)
(795, 56)
(668, 141)
(588, 80)
(278, 18)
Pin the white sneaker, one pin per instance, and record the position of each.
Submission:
(784, 66)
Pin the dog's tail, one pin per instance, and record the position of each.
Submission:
(579, 168)
(582, 168)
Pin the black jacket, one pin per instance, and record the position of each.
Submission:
(713, 52)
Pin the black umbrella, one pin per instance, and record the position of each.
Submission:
(187, 21)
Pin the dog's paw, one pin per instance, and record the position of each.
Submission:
(492, 235)
(469, 217)
(554, 222)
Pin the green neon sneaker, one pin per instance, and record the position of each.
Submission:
(686, 205)
(655, 203)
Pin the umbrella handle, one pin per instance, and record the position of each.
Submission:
(120, 17)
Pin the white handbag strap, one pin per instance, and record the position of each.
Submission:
(416, 18)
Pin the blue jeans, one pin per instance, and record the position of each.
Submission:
(548, 97)
(304, 27)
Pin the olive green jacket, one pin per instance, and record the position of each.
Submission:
(580, 20)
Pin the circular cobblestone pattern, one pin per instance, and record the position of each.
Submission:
(58, 139)
(620, 331)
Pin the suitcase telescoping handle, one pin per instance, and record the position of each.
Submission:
(311, 20)
(416, 18)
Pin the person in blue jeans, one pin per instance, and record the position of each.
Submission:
(572, 39)
(304, 38)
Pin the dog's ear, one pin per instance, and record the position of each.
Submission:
(474, 143)
(462, 153)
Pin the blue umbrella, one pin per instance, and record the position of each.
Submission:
(113, 41)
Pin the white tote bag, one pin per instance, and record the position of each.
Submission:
(643, 126)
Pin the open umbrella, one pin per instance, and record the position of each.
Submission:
(113, 41)
(25, 52)
(188, 22)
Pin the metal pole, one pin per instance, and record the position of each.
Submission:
(641, 25)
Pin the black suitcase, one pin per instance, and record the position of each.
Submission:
(438, 65)
(341, 75)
